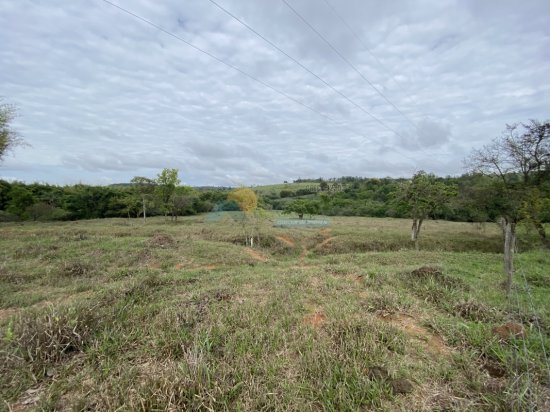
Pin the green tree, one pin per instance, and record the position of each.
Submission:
(20, 199)
(518, 165)
(301, 207)
(144, 188)
(167, 181)
(422, 197)
(9, 138)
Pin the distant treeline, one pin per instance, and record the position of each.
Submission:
(347, 196)
(19, 201)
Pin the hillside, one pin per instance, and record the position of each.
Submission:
(120, 315)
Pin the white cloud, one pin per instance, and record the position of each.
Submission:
(104, 97)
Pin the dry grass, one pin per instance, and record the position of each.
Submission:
(121, 315)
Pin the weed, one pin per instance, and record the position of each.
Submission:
(472, 310)
(52, 335)
(76, 269)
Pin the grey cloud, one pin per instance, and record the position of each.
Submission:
(104, 97)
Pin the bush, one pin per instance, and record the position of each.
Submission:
(50, 337)
(8, 217)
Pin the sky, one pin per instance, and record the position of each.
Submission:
(103, 96)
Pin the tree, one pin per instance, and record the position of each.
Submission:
(301, 207)
(9, 138)
(167, 180)
(519, 164)
(248, 202)
(144, 187)
(422, 197)
(182, 201)
(20, 199)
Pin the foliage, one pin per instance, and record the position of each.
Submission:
(302, 207)
(167, 181)
(423, 196)
(9, 138)
(245, 198)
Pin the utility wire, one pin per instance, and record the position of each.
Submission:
(360, 40)
(244, 73)
(335, 50)
(304, 67)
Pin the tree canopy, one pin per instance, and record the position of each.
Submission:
(9, 138)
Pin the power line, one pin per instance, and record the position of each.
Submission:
(304, 67)
(335, 50)
(244, 73)
(360, 40)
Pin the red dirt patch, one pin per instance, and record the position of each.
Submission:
(410, 326)
(316, 319)
(255, 254)
(153, 265)
(286, 240)
(509, 330)
(326, 241)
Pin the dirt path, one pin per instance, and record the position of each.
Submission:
(305, 250)
(409, 325)
(255, 254)
(286, 240)
(324, 242)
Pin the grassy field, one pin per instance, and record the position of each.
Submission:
(123, 315)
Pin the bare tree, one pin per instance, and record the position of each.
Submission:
(9, 138)
(519, 161)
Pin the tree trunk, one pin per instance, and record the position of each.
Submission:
(416, 245)
(509, 244)
(415, 232)
(542, 234)
(144, 212)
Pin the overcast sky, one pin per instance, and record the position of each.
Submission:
(103, 96)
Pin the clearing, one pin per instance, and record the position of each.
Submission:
(124, 315)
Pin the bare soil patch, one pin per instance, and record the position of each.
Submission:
(509, 330)
(286, 240)
(316, 319)
(256, 255)
(325, 242)
(409, 325)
